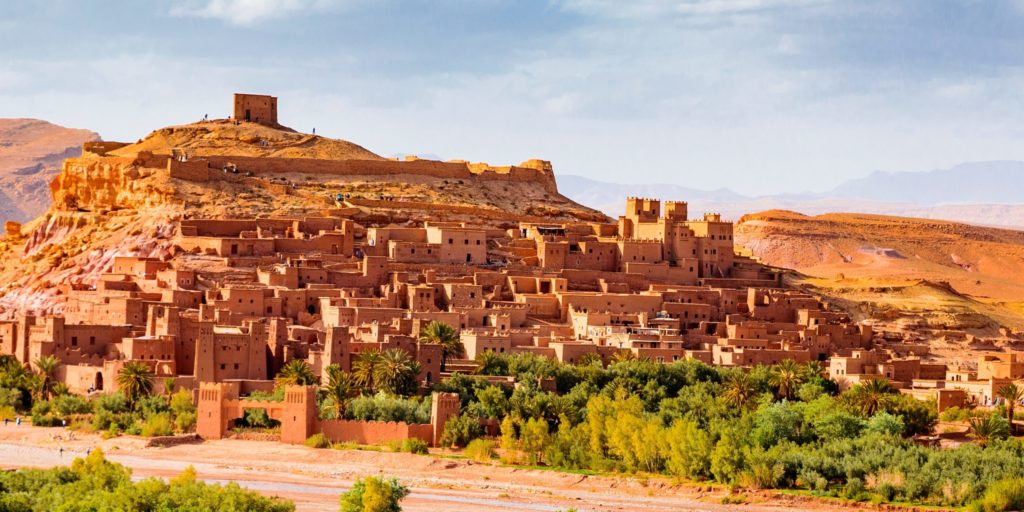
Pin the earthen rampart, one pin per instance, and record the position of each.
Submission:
(192, 169)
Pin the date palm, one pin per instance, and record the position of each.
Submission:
(394, 371)
(814, 369)
(135, 380)
(786, 377)
(340, 386)
(440, 333)
(47, 368)
(295, 373)
(738, 388)
(872, 396)
(1013, 394)
(363, 369)
(989, 428)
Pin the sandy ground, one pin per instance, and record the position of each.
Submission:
(314, 479)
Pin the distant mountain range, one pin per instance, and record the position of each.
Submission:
(31, 154)
(984, 193)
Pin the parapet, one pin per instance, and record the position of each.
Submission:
(101, 148)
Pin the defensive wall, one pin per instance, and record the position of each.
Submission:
(220, 403)
(211, 168)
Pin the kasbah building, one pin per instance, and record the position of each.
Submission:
(656, 283)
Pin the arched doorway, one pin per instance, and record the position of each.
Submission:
(98, 382)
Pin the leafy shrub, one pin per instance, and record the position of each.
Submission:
(157, 425)
(318, 440)
(185, 422)
(93, 483)
(413, 445)
(480, 450)
(66, 405)
(374, 494)
(1001, 496)
(383, 407)
(460, 430)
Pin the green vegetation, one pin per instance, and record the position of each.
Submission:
(782, 427)
(93, 483)
(318, 440)
(440, 333)
(374, 494)
(385, 407)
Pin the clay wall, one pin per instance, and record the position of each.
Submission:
(375, 432)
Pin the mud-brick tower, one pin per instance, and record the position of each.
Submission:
(443, 407)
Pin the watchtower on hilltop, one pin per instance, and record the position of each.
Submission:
(257, 108)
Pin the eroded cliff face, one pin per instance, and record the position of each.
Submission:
(101, 208)
(105, 184)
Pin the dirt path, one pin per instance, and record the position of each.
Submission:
(315, 478)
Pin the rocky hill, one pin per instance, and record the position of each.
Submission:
(899, 270)
(125, 199)
(31, 152)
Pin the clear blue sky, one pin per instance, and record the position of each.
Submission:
(761, 96)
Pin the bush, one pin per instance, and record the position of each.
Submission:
(42, 415)
(1001, 496)
(383, 407)
(66, 405)
(374, 494)
(318, 440)
(413, 445)
(157, 425)
(480, 450)
(185, 422)
(460, 430)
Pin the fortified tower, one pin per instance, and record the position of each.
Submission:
(257, 108)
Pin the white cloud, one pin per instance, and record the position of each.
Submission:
(646, 9)
(247, 12)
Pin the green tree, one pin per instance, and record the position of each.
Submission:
(395, 372)
(689, 450)
(374, 494)
(727, 460)
(986, 429)
(364, 368)
(534, 439)
(738, 388)
(135, 381)
(339, 388)
(440, 333)
(871, 396)
(1013, 394)
(295, 373)
(786, 377)
(47, 367)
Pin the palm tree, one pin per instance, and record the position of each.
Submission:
(786, 377)
(1013, 394)
(590, 359)
(363, 369)
(135, 380)
(440, 333)
(295, 373)
(169, 386)
(339, 387)
(814, 369)
(623, 355)
(989, 428)
(738, 388)
(490, 363)
(47, 366)
(394, 371)
(871, 396)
